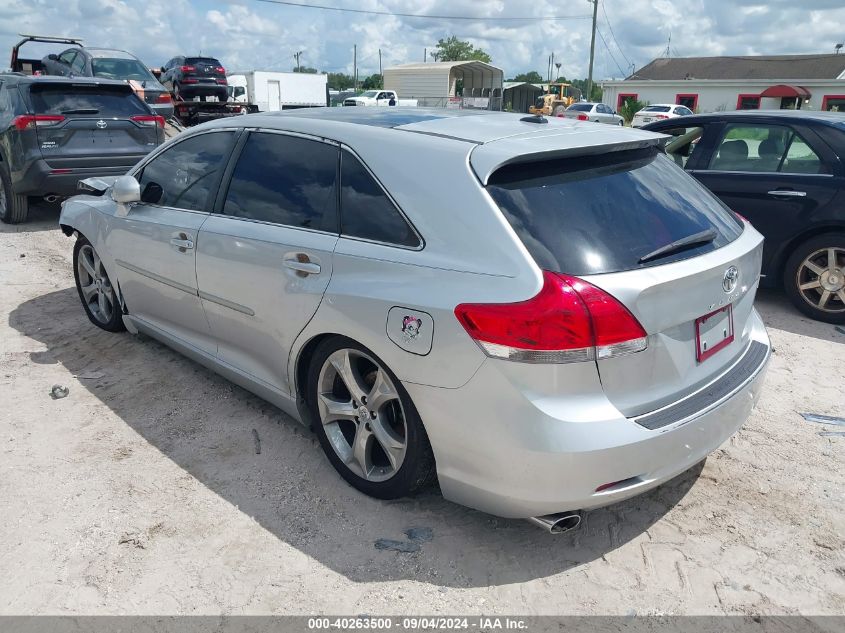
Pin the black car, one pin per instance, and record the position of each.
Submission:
(783, 170)
(55, 131)
(108, 63)
(189, 77)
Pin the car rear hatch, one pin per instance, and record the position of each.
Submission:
(88, 125)
(206, 70)
(629, 222)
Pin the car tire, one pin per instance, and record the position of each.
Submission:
(384, 452)
(558, 111)
(814, 278)
(14, 208)
(96, 292)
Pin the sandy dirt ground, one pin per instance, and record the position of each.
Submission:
(141, 493)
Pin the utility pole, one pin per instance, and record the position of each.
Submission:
(592, 50)
(379, 63)
(557, 65)
(296, 57)
(425, 55)
(355, 65)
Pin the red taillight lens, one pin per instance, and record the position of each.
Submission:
(661, 116)
(188, 80)
(569, 320)
(220, 70)
(151, 120)
(187, 69)
(164, 97)
(222, 82)
(583, 117)
(31, 121)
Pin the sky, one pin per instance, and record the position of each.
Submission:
(255, 34)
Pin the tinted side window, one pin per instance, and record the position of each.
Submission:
(365, 209)
(183, 175)
(115, 101)
(764, 148)
(285, 180)
(78, 64)
(602, 214)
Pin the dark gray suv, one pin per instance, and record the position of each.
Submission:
(55, 131)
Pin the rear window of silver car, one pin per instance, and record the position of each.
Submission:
(601, 214)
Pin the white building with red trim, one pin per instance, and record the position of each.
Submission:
(709, 84)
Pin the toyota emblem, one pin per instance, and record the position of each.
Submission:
(730, 279)
(102, 124)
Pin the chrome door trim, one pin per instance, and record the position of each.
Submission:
(237, 307)
(155, 277)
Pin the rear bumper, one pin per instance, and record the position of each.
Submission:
(162, 109)
(41, 179)
(510, 452)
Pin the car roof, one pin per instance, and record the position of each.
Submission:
(56, 79)
(111, 53)
(498, 137)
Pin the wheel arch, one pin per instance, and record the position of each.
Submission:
(785, 252)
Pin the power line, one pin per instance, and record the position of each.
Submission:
(609, 52)
(613, 35)
(427, 17)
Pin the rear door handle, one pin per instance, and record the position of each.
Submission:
(788, 193)
(182, 244)
(302, 265)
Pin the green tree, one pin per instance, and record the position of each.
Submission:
(581, 84)
(532, 77)
(630, 107)
(340, 81)
(373, 82)
(455, 50)
(305, 69)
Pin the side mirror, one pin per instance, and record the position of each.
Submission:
(52, 57)
(126, 190)
(163, 69)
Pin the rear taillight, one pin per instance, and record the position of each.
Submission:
(188, 80)
(187, 69)
(568, 321)
(583, 117)
(152, 120)
(164, 97)
(31, 121)
(222, 82)
(220, 70)
(661, 116)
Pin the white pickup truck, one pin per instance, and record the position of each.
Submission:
(378, 98)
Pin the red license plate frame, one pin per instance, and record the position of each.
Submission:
(702, 355)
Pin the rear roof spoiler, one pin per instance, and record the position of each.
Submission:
(490, 157)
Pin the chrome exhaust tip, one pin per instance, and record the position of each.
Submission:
(557, 523)
(51, 198)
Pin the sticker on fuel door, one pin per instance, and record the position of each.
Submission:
(412, 330)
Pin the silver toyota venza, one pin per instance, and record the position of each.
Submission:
(545, 315)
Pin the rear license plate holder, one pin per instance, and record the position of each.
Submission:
(647, 119)
(713, 331)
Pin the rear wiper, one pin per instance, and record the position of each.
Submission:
(702, 237)
(81, 111)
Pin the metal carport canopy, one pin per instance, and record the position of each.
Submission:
(421, 80)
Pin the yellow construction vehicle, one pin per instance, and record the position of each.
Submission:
(559, 97)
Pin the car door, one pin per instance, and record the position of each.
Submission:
(61, 66)
(603, 114)
(774, 174)
(264, 258)
(77, 66)
(154, 245)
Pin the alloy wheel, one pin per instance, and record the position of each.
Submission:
(821, 280)
(362, 414)
(94, 283)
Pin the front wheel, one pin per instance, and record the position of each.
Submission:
(95, 289)
(814, 278)
(366, 423)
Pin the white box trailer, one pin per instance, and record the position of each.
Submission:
(272, 91)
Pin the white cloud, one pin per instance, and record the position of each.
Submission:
(249, 34)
